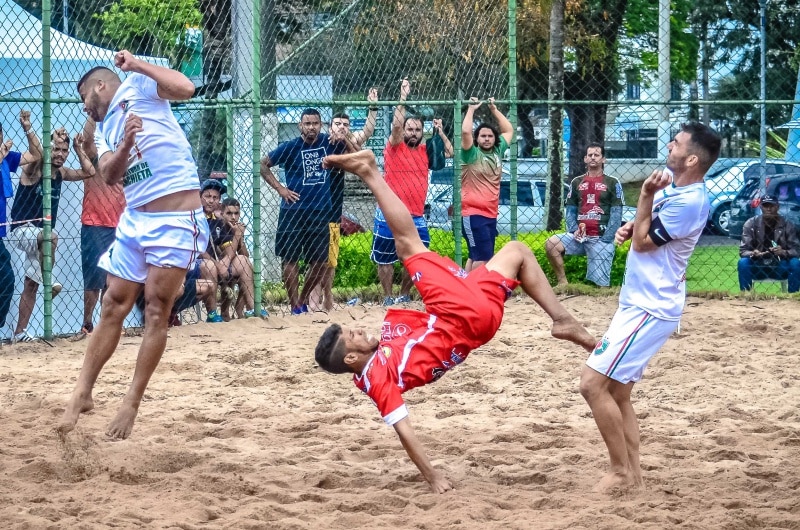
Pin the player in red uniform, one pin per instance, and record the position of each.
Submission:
(462, 311)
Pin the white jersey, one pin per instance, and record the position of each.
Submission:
(655, 281)
(161, 160)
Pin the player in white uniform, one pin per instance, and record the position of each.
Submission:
(161, 231)
(670, 216)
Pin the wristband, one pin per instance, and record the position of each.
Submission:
(28, 131)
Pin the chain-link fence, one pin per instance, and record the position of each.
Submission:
(622, 74)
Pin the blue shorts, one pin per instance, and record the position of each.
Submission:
(189, 296)
(302, 234)
(480, 233)
(95, 240)
(383, 249)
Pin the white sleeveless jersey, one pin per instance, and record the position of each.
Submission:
(655, 281)
(161, 161)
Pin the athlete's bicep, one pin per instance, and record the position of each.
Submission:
(659, 234)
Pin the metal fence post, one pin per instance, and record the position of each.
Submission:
(512, 110)
(457, 182)
(256, 154)
(47, 247)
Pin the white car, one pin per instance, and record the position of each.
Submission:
(724, 184)
(530, 207)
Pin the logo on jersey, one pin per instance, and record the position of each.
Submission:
(400, 330)
(386, 351)
(601, 346)
(456, 357)
(124, 104)
(583, 186)
(600, 187)
(458, 272)
(417, 276)
(437, 374)
(509, 291)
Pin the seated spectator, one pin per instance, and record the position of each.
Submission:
(231, 212)
(199, 285)
(232, 269)
(769, 248)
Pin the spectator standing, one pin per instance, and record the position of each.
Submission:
(322, 297)
(670, 217)
(594, 213)
(27, 214)
(302, 232)
(102, 207)
(160, 233)
(481, 157)
(405, 162)
(10, 161)
(769, 248)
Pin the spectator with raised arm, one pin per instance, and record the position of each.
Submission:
(406, 164)
(482, 149)
(28, 217)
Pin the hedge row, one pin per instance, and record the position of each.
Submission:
(356, 270)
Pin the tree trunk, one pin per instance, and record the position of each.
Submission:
(555, 91)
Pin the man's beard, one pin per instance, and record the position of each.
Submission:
(411, 141)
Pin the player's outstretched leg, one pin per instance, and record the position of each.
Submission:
(515, 260)
(362, 163)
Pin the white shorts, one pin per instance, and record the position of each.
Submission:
(633, 337)
(160, 239)
(26, 239)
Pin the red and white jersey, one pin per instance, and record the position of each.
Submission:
(416, 348)
(656, 280)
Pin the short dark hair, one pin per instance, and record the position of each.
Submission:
(341, 116)
(596, 144)
(90, 73)
(330, 351)
(477, 131)
(705, 140)
(310, 112)
(420, 119)
(230, 201)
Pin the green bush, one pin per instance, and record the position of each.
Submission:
(356, 270)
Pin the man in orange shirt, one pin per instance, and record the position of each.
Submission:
(406, 172)
(102, 207)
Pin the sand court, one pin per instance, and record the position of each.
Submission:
(240, 429)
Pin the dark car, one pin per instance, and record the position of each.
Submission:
(747, 203)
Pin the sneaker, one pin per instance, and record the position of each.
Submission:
(214, 317)
(57, 288)
(404, 299)
(252, 313)
(353, 301)
(23, 336)
(299, 310)
(388, 301)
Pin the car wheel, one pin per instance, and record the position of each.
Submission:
(722, 219)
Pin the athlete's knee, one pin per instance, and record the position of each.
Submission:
(553, 246)
(589, 386)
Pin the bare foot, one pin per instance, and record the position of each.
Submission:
(122, 425)
(567, 328)
(562, 283)
(78, 404)
(361, 163)
(614, 481)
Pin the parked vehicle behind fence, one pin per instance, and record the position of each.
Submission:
(747, 203)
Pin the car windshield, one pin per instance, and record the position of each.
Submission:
(524, 193)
